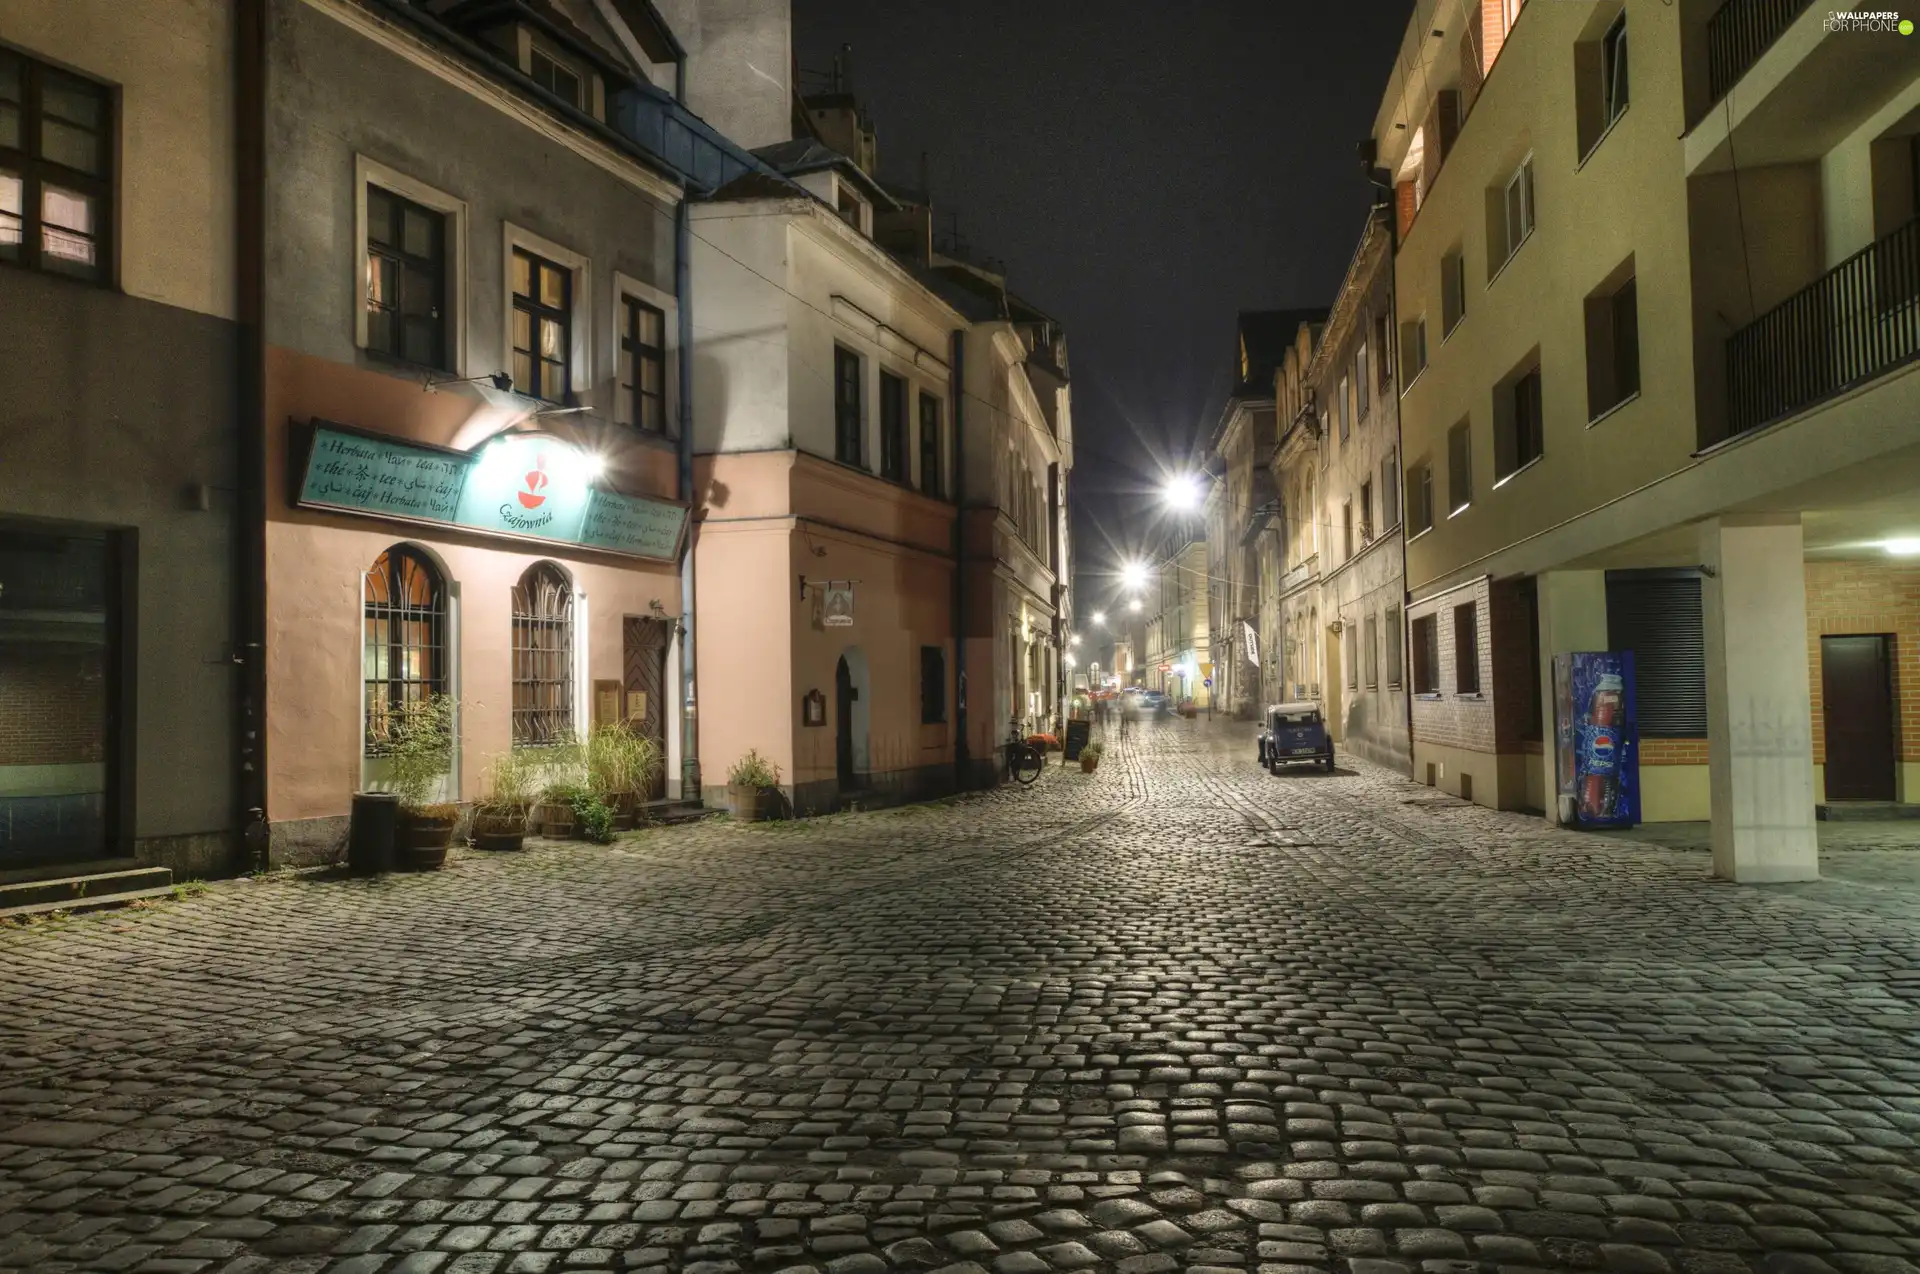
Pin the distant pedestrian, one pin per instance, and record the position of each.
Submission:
(1129, 716)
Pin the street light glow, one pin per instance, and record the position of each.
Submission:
(1074, 640)
(1134, 606)
(1902, 547)
(1183, 492)
(1133, 574)
(1100, 617)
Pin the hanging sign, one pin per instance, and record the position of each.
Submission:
(837, 606)
(1251, 642)
(528, 486)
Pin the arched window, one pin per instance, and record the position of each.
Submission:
(404, 640)
(542, 657)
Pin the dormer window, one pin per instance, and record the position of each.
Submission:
(560, 80)
(852, 208)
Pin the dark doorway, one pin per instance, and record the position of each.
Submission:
(645, 641)
(1856, 689)
(843, 696)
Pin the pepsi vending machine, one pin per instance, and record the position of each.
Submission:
(1596, 738)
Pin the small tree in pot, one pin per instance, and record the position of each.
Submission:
(419, 755)
(751, 775)
(500, 820)
(1090, 757)
(621, 765)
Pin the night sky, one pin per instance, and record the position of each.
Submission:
(1146, 169)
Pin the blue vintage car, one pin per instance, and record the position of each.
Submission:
(1295, 734)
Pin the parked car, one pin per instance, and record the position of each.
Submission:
(1295, 734)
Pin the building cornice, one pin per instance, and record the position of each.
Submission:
(457, 72)
(826, 228)
(1368, 256)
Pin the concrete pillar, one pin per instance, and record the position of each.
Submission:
(1573, 617)
(1759, 715)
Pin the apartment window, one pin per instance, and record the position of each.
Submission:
(930, 447)
(893, 427)
(1516, 211)
(542, 657)
(542, 327)
(1426, 655)
(1466, 650)
(1613, 345)
(1420, 498)
(1345, 410)
(1459, 468)
(1326, 438)
(847, 426)
(933, 685)
(1360, 384)
(406, 280)
(1382, 361)
(1366, 512)
(560, 80)
(1413, 350)
(1613, 53)
(1393, 648)
(643, 366)
(1371, 659)
(56, 169)
(1390, 491)
(850, 206)
(404, 642)
(1519, 440)
(1346, 518)
(1453, 291)
(1351, 634)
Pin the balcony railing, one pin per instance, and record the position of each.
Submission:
(1859, 320)
(1739, 32)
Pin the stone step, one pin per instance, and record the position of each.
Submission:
(1865, 811)
(87, 892)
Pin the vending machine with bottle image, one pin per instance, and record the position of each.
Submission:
(1596, 739)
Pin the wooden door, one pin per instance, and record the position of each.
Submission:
(1856, 688)
(843, 724)
(646, 641)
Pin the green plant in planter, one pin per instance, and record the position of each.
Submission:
(620, 765)
(512, 787)
(751, 775)
(593, 817)
(419, 755)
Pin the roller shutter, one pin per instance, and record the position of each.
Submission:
(1656, 615)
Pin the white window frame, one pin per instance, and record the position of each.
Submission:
(592, 89)
(624, 286)
(581, 369)
(371, 172)
(842, 188)
(1522, 177)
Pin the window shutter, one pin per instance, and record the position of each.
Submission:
(1656, 615)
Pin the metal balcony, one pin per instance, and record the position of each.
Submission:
(1739, 32)
(1858, 321)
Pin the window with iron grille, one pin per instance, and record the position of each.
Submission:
(893, 427)
(642, 401)
(406, 280)
(542, 327)
(56, 169)
(930, 446)
(847, 426)
(403, 642)
(542, 657)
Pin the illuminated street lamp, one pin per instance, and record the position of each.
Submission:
(1134, 574)
(1100, 618)
(1073, 641)
(1183, 492)
(1134, 606)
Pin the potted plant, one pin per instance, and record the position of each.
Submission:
(593, 818)
(1090, 757)
(420, 756)
(751, 775)
(560, 774)
(621, 767)
(500, 820)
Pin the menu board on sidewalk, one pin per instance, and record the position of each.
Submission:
(1078, 733)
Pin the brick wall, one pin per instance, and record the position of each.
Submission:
(1673, 751)
(1493, 32)
(1406, 202)
(1846, 598)
(1449, 719)
(52, 707)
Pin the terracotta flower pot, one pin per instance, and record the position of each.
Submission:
(743, 803)
(420, 841)
(1088, 764)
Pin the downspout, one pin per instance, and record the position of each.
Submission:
(250, 421)
(958, 377)
(1399, 451)
(683, 290)
(689, 725)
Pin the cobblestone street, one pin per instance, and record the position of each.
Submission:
(1181, 1015)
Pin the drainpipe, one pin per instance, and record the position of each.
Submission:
(1399, 444)
(250, 415)
(958, 378)
(689, 725)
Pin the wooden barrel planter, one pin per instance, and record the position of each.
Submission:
(421, 839)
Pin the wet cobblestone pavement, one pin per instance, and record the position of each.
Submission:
(1180, 1015)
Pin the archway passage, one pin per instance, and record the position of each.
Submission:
(844, 696)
